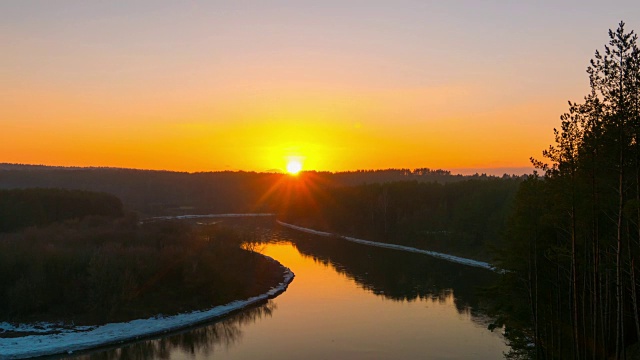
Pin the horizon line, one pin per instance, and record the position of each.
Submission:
(455, 171)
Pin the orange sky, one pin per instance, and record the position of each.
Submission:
(202, 86)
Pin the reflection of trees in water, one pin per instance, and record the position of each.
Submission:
(396, 275)
(205, 339)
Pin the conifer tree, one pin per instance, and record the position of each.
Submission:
(592, 218)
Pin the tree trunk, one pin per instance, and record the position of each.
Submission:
(574, 275)
(619, 310)
(634, 299)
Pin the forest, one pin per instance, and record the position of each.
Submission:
(464, 218)
(150, 192)
(20, 208)
(429, 209)
(82, 264)
(572, 245)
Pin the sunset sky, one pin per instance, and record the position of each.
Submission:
(340, 85)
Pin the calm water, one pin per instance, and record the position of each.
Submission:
(348, 301)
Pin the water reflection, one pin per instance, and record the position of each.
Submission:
(421, 306)
(204, 340)
(396, 275)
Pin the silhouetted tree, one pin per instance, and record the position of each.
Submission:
(591, 219)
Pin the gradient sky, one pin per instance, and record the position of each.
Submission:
(245, 85)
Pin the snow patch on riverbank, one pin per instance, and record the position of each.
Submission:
(447, 257)
(61, 339)
(206, 216)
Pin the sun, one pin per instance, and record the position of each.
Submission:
(294, 166)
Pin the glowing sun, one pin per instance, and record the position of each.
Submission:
(294, 166)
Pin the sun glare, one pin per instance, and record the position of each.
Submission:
(294, 167)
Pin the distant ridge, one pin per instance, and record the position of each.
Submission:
(12, 166)
(171, 193)
(466, 172)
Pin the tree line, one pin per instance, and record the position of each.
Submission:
(151, 192)
(20, 208)
(465, 217)
(102, 269)
(572, 246)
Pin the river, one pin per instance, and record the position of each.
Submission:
(347, 301)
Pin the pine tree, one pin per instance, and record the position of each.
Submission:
(592, 218)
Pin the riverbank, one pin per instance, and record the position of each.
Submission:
(447, 257)
(52, 339)
(207, 216)
(130, 280)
